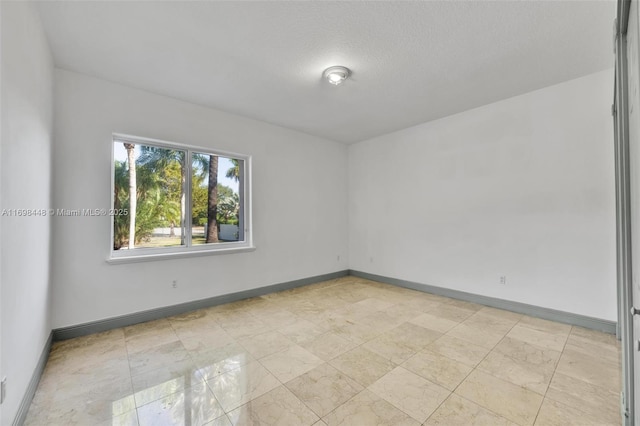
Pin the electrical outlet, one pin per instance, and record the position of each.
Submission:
(371, 259)
(503, 279)
(338, 258)
(174, 284)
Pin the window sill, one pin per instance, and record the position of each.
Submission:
(176, 255)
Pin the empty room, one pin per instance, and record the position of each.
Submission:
(319, 212)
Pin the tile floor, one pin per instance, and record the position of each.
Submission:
(341, 352)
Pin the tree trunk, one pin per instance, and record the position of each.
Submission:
(133, 196)
(212, 211)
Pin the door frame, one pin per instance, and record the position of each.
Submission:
(623, 210)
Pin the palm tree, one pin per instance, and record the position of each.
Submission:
(120, 201)
(234, 172)
(131, 159)
(159, 159)
(209, 164)
(212, 211)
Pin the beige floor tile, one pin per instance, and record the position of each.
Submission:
(374, 304)
(303, 331)
(86, 350)
(278, 407)
(465, 305)
(151, 339)
(438, 369)
(459, 350)
(402, 342)
(197, 328)
(478, 335)
(535, 377)
(221, 360)
(227, 317)
(367, 408)
(188, 316)
(357, 333)
(220, 421)
(329, 319)
(91, 407)
(590, 369)
(420, 305)
(434, 322)
(489, 320)
(543, 339)
(246, 328)
(237, 387)
(192, 406)
(544, 325)
(155, 326)
(402, 313)
(323, 389)
(86, 391)
(97, 341)
(290, 363)
(452, 312)
(522, 351)
(410, 393)
(380, 320)
(205, 342)
(55, 385)
(306, 307)
(265, 344)
(329, 346)
(500, 313)
(156, 357)
(394, 346)
(164, 381)
(594, 336)
(129, 418)
(600, 404)
(362, 365)
(504, 398)
(88, 380)
(608, 351)
(457, 411)
(553, 413)
(279, 319)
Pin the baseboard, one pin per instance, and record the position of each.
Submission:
(21, 415)
(521, 308)
(167, 311)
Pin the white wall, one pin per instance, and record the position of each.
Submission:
(27, 88)
(297, 179)
(523, 188)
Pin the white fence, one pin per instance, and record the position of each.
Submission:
(227, 232)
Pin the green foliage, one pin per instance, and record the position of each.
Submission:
(234, 172)
(159, 190)
(120, 201)
(228, 204)
(160, 185)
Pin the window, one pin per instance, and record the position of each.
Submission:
(174, 200)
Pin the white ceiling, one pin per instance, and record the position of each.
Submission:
(412, 61)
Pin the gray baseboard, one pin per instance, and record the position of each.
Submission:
(21, 415)
(167, 311)
(508, 305)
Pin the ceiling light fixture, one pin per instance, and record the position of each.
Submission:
(336, 75)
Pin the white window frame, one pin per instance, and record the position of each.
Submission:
(158, 253)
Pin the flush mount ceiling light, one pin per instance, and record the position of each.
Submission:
(336, 75)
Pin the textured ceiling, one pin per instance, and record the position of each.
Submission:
(412, 61)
